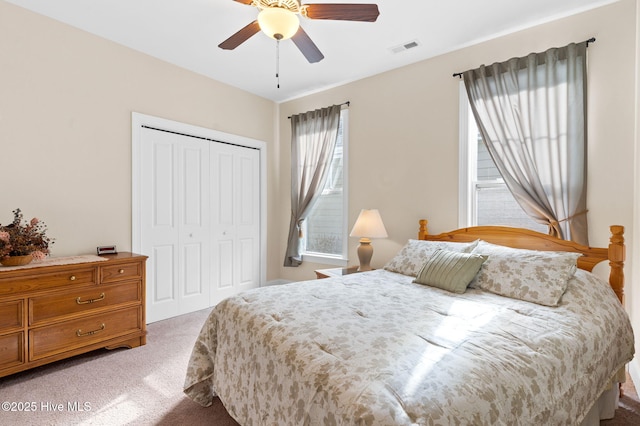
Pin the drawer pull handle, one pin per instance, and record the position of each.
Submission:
(121, 271)
(79, 300)
(72, 277)
(79, 333)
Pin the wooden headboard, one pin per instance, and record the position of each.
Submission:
(532, 240)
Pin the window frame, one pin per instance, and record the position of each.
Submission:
(326, 258)
(468, 168)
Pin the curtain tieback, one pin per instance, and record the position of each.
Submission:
(299, 225)
(557, 222)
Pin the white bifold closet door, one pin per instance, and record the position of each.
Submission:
(200, 221)
(235, 220)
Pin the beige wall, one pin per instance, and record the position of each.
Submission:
(633, 285)
(403, 128)
(66, 99)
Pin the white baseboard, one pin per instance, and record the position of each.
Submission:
(276, 282)
(634, 372)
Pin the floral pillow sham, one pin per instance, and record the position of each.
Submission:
(410, 259)
(534, 276)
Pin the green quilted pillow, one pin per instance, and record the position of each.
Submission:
(449, 270)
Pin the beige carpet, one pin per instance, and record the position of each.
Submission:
(142, 386)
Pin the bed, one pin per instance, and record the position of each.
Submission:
(530, 339)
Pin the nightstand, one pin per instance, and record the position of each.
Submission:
(336, 272)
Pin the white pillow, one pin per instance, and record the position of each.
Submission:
(531, 275)
(415, 253)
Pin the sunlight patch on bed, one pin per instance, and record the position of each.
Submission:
(450, 331)
(430, 357)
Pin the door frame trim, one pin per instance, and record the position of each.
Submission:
(138, 121)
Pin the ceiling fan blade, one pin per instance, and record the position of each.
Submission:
(240, 37)
(244, 1)
(343, 12)
(307, 46)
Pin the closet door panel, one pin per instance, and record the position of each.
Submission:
(159, 209)
(162, 271)
(223, 221)
(235, 227)
(247, 260)
(225, 190)
(191, 272)
(175, 226)
(248, 225)
(194, 200)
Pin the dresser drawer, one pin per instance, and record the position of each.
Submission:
(11, 314)
(80, 300)
(120, 272)
(42, 281)
(73, 334)
(11, 350)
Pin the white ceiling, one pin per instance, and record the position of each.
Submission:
(187, 32)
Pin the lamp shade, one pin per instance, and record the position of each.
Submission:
(278, 23)
(369, 225)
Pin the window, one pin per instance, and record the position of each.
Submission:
(325, 229)
(484, 197)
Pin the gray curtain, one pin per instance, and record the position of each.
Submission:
(531, 113)
(313, 140)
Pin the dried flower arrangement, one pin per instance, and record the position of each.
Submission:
(17, 239)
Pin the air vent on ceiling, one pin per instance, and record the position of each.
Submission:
(406, 46)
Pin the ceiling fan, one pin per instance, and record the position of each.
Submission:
(278, 19)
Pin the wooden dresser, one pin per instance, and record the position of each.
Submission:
(52, 312)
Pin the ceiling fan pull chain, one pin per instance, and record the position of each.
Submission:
(278, 63)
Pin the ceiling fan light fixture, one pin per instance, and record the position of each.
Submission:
(278, 23)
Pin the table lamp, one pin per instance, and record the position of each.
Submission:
(368, 225)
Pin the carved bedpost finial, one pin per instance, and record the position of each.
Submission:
(423, 232)
(616, 260)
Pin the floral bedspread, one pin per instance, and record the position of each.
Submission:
(375, 349)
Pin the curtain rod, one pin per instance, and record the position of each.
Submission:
(348, 103)
(591, 40)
